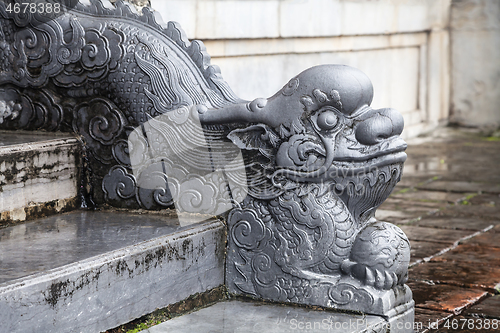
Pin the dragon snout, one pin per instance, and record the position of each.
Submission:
(379, 126)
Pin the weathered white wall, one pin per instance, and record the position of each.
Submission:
(475, 56)
(260, 44)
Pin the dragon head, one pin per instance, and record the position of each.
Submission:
(319, 129)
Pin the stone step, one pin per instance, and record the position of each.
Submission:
(39, 174)
(258, 317)
(89, 271)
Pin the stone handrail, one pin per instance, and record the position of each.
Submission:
(300, 174)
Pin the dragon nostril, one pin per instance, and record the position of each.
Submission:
(397, 121)
(376, 129)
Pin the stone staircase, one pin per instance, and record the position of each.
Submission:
(64, 269)
(39, 175)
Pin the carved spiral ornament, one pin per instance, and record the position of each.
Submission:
(248, 230)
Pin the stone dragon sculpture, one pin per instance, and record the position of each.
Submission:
(322, 160)
(301, 173)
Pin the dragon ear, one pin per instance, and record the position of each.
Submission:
(256, 137)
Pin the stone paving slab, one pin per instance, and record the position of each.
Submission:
(489, 308)
(422, 249)
(442, 297)
(433, 235)
(398, 217)
(474, 173)
(471, 253)
(426, 319)
(423, 196)
(490, 238)
(486, 199)
(471, 211)
(463, 274)
(255, 317)
(470, 159)
(401, 212)
(410, 180)
(412, 207)
(408, 205)
(460, 186)
(457, 223)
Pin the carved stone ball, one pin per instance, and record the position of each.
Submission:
(380, 255)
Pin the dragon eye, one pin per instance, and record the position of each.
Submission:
(327, 120)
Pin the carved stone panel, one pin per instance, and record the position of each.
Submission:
(102, 70)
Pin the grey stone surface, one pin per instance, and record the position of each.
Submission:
(56, 241)
(112, 288)
(37, 169)
(255, 317)
(475, 55)
(9, 138)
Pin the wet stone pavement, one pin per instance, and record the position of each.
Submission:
(448, 204)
